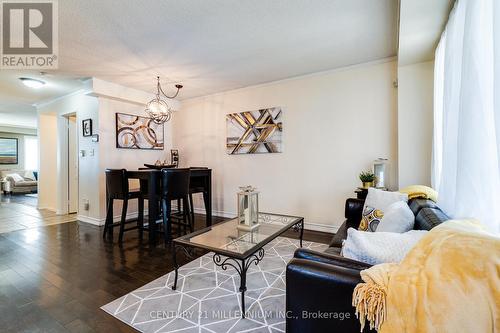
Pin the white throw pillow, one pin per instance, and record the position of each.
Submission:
(376, 203)
(380, 199)
(15, 177)
(397, 218)
(29, 175)
(379, 247)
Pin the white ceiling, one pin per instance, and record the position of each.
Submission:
(217, 45)
(16, 100)
(18, 115)
(421, 25)
(12, 90)
(209, 46)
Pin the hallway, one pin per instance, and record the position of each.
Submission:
(20, 213)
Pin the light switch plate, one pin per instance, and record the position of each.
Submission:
(86, 204)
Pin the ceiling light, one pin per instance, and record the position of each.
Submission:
(158, 109)
(32, 83)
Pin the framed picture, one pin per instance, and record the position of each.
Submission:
(174, 157)
(136, 132)
(87, 127)
(8, 151)
(255, 132)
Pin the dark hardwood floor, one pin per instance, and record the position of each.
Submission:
(19, 198)
(56, 278)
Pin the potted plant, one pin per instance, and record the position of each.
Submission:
(367, 178)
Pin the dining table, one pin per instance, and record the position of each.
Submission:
(150, 184)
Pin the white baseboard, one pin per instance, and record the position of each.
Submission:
(307, 225)
(47, 208)
(100, 222)
(321, 227)
(218, 213)
(90, 220)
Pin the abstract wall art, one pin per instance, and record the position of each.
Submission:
(87, 127)
(8, 151)
(254, 132)
(136, 132)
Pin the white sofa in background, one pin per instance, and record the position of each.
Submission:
(18, 181)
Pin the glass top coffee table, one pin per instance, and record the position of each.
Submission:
(235, 248)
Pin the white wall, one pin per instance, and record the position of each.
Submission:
(56, 111)
(415, 123)
(88, 165)
(131, 159)
(47, 176)
(335, 124)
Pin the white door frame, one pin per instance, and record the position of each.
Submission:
(63, 162)
(72, 192)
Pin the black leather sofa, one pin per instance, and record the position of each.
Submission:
(319, 285)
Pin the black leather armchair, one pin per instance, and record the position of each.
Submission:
(319, 285)
(319, 293)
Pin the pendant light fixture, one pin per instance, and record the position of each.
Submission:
(32, 83)
(158, 109)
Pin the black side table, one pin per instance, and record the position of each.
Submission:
(361, 193)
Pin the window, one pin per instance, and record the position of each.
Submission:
(31, 153)
(466, 157)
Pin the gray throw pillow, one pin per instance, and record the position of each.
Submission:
(397, 218)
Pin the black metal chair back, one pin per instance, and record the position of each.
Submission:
(117, 183)
(175, 183)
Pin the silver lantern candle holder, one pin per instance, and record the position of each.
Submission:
(248, 208)
(381, 172)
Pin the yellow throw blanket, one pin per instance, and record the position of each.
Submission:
(420, 191)
(449, 282)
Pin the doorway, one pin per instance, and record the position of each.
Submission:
(72, 165)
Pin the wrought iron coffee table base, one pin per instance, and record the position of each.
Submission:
(240, 265)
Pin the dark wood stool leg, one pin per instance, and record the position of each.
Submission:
(191, 207)
(123, 218)
(184, 215)
(187, 214)
(191, 215)
(167, 223)
(109, 219)
(140, 217)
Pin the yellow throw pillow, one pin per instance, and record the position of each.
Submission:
(370, 219)
(420, 191)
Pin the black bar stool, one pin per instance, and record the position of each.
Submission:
(117, 189)
(145, 196)
(195, 187)
(175, 186)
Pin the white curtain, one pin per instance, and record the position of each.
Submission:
(466, 163)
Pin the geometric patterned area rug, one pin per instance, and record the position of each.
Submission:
(207, 297)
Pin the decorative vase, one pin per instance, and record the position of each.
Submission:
(367, 184)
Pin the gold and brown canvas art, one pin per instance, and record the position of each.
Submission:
(254, 132)
(136, 132)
